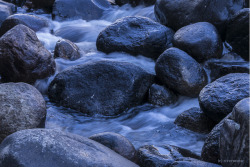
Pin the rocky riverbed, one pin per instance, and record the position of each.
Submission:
(124, 83)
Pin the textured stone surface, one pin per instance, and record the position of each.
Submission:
(102, 87)
(135, 35)
(45, 148)
(180, 72)
(67, 50)
(218, 98)
(117, 143)
(23, 58)
(21, 107)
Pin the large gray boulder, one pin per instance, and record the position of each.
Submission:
(21, 107)
(23, 58)
(180, 72)
(45, 148)
(79, 9)
(177, 14)
(102, 87)
(33, 22)
(218, 98)
(200, 40)
(135, 35)
(234, 136)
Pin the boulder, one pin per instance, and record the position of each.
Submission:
(160, 95)
(234, 136)
(142, 2)
(21, 107)
(121, 2)
(67, 50)
(43, 4)
(218, 98)
(238, 33)
(23, 58)
(194, 119)
(45, 147)
(33, 22)
(177, 14)
(79, 9)
(180, 72)
(5, 11)
(200, 40)
(117, 143)
(102, 87)
(220, 68)
(136, 36)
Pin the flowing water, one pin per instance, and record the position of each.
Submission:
(146, 124)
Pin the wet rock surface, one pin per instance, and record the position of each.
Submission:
(180, 72)
(79, 9)
(44, 147)
(67, 50)
(5, 11)
(200, 40)
(194, 119)
(33, 22)
(234, 136)
(218, 98)
(21, 107)
(117, 143)
(135, 35)
(102, 87)
(238, 33)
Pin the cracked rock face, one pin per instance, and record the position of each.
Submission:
(21, 107)
(234, 136)
(45, 148)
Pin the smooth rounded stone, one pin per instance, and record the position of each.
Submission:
(23, 58)
(160, 95)
(67, 50)
(211, 149)
(194, 119)
(177, 14)
(218, 98)
(234, 136)
(47, 147)
(136, 36)
(33, 22)
(180, 72)
(10, 5)
(101, 87)
(200, 40)
(221, 68)
(117, 143)
(21, 107)
(238, 33)
(80, 9)
(5, 11)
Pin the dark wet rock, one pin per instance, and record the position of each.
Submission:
(180, 72)
(33, 22)
(5, 11)
(142, 2)
(117, 143)
(43, 4)
(10, 5)
(200, 40)
(135, 35)
(149, 156)
(17, 2)
(80, 9)
(246, 4)
(44, 148)
(234, 136)
(160, 95)
(21, 107)
(22, 56)
(218, 98)
(211, 149)
(177, 14)
(238, 33)
(121, 2)
(194, 119)
(102, 87)
(221, 68)
(67, 50)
